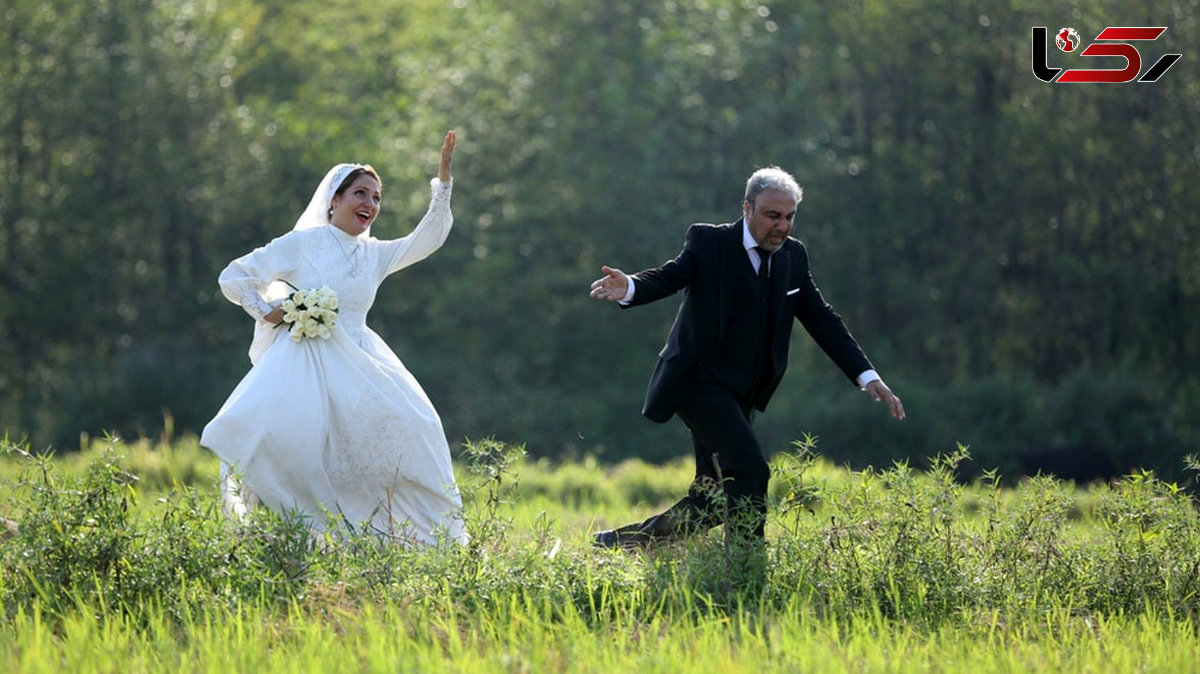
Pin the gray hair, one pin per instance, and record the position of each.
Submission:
(772, 178)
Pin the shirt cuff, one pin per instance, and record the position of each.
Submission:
(256, 306)
(624, 301)
(867, 377)
(440, 193)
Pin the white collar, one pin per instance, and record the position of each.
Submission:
(345, 237)
(748, 241)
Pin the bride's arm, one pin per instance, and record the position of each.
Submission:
(429, 235)
(433, 229)
(245, 280)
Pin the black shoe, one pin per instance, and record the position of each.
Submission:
(606, 539)
(627, 539)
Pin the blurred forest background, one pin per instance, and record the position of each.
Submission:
(1021, 260)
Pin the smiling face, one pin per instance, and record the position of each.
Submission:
(770, 217)
(354, 208)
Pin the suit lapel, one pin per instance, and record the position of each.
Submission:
(732, 255)
(781, 272)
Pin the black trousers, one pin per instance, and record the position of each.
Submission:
(729, 461)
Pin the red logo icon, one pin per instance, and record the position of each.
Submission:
(1067, 39)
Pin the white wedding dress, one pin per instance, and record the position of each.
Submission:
(337, 429)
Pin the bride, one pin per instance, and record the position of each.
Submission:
(330, 424)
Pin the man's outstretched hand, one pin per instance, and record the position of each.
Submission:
(612, 286)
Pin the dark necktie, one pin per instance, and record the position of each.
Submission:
(764, 257)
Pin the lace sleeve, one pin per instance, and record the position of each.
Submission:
(429, 235)
(245, 280)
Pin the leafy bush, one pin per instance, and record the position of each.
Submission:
(79, 540)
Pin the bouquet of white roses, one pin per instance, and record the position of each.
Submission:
(310, 313)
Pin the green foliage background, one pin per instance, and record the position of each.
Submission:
(1021, 260)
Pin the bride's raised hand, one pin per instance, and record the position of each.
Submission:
(447, 151)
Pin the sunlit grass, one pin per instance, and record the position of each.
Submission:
(522, 637)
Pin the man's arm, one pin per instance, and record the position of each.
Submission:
(828, 330)
(651, 284)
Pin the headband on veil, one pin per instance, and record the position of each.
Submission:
(317, 213)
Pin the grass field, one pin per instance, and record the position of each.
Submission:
(124, 563)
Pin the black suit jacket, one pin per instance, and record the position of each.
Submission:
(706, 270)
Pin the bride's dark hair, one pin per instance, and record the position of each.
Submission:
(350, 178)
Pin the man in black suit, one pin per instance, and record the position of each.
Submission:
(742, 284)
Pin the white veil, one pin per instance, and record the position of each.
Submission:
(315, 215)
